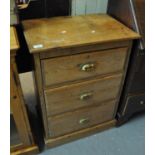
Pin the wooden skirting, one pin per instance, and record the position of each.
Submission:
(33, 150)
(79, 134)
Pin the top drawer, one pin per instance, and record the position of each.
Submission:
(82, 66)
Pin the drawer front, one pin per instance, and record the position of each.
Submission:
(73, 121)
(82, 94)
(82, 66)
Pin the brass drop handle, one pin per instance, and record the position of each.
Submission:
(86, 96)
(84, 121)
(88, 67)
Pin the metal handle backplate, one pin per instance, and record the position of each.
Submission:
(86, 96)
(84, 121)
(88, 67)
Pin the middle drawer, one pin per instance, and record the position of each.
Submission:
(79, 95)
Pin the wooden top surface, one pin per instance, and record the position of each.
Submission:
(60, 32)
(14, 45)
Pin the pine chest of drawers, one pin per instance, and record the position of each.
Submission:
(21, 136)
(80, 64)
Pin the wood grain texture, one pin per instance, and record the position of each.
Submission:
(17, 103)
(131, 13)
(39, 90)
(14, 44)
(80, 95)
(32, 150)
(78, 56)
(71, 121)
(124, 76)
(52, 53)
(60, 32)
(53, 142)
(18, 109)
(105, 62)
(133, 17)
(140, 15)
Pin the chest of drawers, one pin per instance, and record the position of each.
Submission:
(80, 64)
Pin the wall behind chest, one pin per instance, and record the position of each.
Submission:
(79, 7)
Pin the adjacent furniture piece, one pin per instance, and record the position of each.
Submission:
(14, 20)
(21, 140)
(80, 65)
(33, 9)
(132, 14)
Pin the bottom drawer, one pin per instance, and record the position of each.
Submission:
(73, 121)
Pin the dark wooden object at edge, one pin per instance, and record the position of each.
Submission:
(132, 14)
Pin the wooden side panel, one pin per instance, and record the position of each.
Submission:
(131, 13)
(73, 121)
(18, 108)
(121, 10)
(39, 89)
(14, 44)
(32, 150)
(124, 76)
